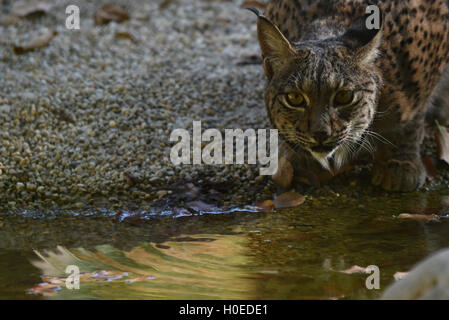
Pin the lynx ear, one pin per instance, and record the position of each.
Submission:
(362, 40)
(276, 49)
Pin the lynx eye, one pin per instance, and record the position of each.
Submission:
(343, 97)
(295, 99)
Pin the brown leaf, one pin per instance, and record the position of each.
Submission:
(354, 269)
(125, 35)
(165, 3)
(36, 43)
(253, 3)
(400, 275)
(110, 12)
(288, 200)
(267, 206)
(420, 217)
(284, 175)
(8, 20)
(27, 7)
(442, 139)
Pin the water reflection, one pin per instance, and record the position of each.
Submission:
(293, 254)
(203, 266)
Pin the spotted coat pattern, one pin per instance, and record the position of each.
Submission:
(412, 56)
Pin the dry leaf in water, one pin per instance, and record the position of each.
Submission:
(28, 7)
(442, 138)
(355, 269)
(288, 200)
(111, 12)
(420, 217)
(400, 275)
(36, 43)
(267, 206)
(284, 175)
(253, 3)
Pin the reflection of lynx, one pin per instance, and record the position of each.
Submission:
(190, 267)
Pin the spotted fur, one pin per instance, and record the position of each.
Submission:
(321, 47)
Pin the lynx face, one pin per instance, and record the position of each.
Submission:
(321, 94)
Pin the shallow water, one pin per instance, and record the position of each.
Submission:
(290, 254)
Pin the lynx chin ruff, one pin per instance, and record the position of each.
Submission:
(336, 88)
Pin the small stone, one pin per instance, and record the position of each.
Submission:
(20, 186)
(162, 193)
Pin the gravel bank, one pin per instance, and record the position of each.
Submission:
(86, 121)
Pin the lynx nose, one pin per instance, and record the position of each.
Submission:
(320, 136)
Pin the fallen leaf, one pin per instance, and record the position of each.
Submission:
(165, 3)
(288, 200)
(125, 35)
(400, 275)
(45, 289)
(284, 175)
(252, 3)
(442, 139)
(355, 269)
(36, 43)
(266, 206)
(28, 7)
(110, 12)
(420, 217)
(8, 20)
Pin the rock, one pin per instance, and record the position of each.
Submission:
(429, 280)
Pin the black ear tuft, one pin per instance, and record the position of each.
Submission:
(363, 40)
(358, 34)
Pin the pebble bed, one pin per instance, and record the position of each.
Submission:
(86, 121)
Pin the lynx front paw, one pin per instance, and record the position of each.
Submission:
(399, 175)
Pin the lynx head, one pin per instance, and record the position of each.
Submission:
(321, 94)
